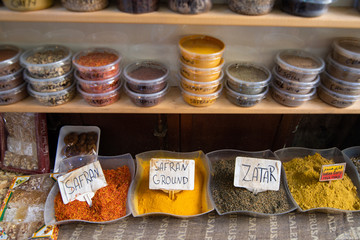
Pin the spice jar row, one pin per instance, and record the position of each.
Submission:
(259, 7)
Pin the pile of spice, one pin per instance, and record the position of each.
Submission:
(185, 203)
(303, 178)
(229, 198)
(109, 202)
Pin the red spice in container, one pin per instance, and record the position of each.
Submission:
(100, 86)
(97, 63)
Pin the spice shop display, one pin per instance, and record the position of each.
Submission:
(97, 63)
(345, 73)
(53, 98)
(201, 51)
(76, 140)
(147, 99)
(305, 8)
(251, 7)
(247, 78)
(99, 86)
(340, 86)
(244, 100)
(9, 59)
(303, 168)
(201, 74)
(12, 80)
(336, 99)
(298, 65)
(185, 203)
(190, 6)
(146, 76)
(230, 199)
(24, 146)
(84, 5)
(346, 51)
(201, 100)
(48, 61)
(138, 6)
(100, 99)
(200, 87)
(109, 203)
(289, 99)
(13, 95)
(22, 214)
(50, 84)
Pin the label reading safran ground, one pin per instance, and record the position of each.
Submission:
(332, 172)
(172, 174)
(82, 183)
(257, 174)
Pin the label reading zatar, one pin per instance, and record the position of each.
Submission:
(172, 174)
(257, 174)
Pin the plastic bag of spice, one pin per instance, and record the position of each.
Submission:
(24, 143)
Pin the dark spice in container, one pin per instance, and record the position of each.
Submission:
(9, 61)
(138, 6)
(190, 6)
(229, 198)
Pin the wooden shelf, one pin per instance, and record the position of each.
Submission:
(174, 104)
(336, 17)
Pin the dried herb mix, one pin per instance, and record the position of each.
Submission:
(229, 198)
(84, 5)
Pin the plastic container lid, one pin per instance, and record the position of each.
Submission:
(339, 96)
(348, 47)
(279, 59)
(249, 84)
(250, 97)
(44, 81)
(297, 84)
(204, 38)
(346, 69)
(339, 85)
(289, 99)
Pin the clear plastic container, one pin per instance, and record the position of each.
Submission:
(342, 72)
(12, 80)
(289, 99)
(251, 7)
(146, 76)
(100, 86)
(305, 8)
(294, 87)
(13, 95)
(138, 6)
(201, 100)
(97, 63)
(146, 99)
(346, 51)
(50, 84)
(340, 86)
(247, 78)
(53, 98)
(298, 65)
(9, 59)
(200, 87)
(28, 5)
(336, 99)
(191, 6)
(84, 5)
(201, 51)
(101, 99)
(245, 100)
(48, 61)
(201, 74)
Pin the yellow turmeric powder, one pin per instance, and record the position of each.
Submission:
(186, 202)
(303, 178)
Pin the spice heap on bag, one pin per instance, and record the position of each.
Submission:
(246, 83)
(146, 82)
(340, 83)
(98, 75)
(295, 77)
(201, 66)
(12, 86)
(49, 74)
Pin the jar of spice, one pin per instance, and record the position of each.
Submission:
(9, 59)
(138, 6)
(84, 5)
(190, 6)
(27, 5)
(251, 7)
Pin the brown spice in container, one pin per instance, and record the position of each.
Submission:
(251, 7)
(146, 73)
(48, 56)
(298, 61)
(248, 73)
(6, 54)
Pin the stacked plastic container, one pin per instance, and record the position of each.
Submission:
(97, 72)
(201, 65)
(340, 83)
(295, 77)
(246, 83)
(146, 82)
(12, 86)
(48, 70)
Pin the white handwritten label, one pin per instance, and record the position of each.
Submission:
(82, 183)
(257, 174)
(172, 174)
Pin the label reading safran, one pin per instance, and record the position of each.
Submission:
(172, 174)
(257, 174)
(332, 172)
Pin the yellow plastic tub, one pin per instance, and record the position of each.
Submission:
(201, 74)
(200, 87)
(201, 100)
(201, 51)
